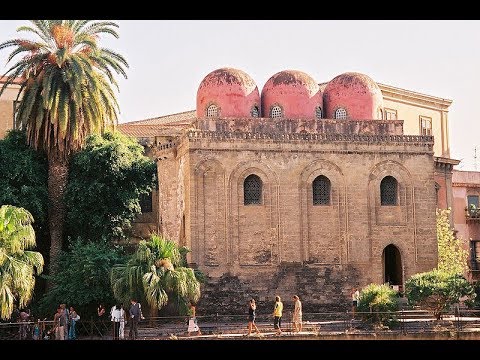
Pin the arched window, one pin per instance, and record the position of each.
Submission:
(276, 112)
(146, 203)
(255, 113)
(252, 190)
(321, 190)
(318, 112)
(340, 114)
(388, 190)
(212, 111)
(380, 114)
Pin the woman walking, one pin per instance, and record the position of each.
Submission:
(252, 307)
(297, 314)
(192, 321)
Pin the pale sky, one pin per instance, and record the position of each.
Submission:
(169, 58)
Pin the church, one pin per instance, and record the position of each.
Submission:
(303, 188)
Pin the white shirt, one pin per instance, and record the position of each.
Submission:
(117, 314)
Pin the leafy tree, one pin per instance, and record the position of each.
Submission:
(436, 290)
(23, 177)
(18, 265)
(105, 182)
(154, 272)
(378, 302)
(67, 86)
(84, 279)
(452, 257)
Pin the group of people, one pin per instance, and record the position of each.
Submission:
(64, 323)
(277, 315)
(119, 316)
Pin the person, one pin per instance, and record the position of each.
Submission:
(355, 298)
(67, 318)
(277, 315)
(37, 330)
(297, 314)
(123, 320)
(23, 319)
(252, 307)
(192, 321)
(59, 322)
(116, 317)
(101, 311)
(101, 317)
(74, 317)
(135, 316)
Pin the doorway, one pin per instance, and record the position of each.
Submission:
(392, 265)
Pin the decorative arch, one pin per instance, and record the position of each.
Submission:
(253, 230)
(318, 245)
(207, 236)
(390, 215)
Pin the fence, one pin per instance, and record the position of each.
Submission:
(403, 322)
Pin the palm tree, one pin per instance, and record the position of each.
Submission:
(18, 265)
(67, 87)
(154, 271)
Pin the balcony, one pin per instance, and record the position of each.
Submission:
(472, 214)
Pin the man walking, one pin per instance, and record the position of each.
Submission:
(135, 316)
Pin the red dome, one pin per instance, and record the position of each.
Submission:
(295, 92)
(356, 93)
(228, 92)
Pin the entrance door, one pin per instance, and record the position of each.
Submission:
(392, 264)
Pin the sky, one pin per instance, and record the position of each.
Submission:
(168, 59)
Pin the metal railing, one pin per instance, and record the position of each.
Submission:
(404, 322)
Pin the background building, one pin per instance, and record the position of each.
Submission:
(7, 107)
(466, 192)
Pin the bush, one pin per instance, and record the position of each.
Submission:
(83, 279)
(437, 290)
(377, 303)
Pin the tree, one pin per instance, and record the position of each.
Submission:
(18, 265)
(452, 257)
(67, 87)
(155, 271)
(105, 182)
(436, 290)
(23, 181)
(85, 277)
(378, 302)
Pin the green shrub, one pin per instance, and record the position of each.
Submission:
(437, 290)
(83, 279)
(377, 303)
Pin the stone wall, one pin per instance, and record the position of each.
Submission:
(286, 244)
(324, 288)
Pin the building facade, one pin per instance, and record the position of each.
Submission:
(7, 107)
(301, 189)
(466, 192)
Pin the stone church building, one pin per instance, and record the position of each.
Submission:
(304, 188)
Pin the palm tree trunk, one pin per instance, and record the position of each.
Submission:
(57, 182)
(153, 314)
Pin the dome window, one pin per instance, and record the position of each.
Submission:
(341, 114)
(212, 111)
(255, 112)
(276, 112)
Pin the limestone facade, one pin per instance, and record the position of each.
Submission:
(325, 249)
(319, 194)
